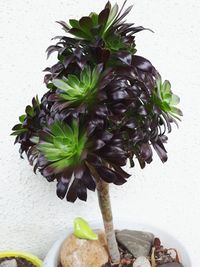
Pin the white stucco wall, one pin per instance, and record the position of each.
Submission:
(167, 196)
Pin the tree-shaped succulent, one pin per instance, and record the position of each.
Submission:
(104, 105)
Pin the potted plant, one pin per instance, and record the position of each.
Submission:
(104, 105)
(19, 259)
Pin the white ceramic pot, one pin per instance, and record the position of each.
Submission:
(52, 258)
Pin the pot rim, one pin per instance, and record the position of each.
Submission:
(25, 255)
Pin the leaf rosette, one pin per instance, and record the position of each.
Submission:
(66, 153)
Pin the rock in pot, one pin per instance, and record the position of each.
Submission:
(9, 263)
(77, 252)
(141, 262)
(138, 243)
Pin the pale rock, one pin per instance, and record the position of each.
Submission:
(77, 252)
(141, 262)
(9, 263)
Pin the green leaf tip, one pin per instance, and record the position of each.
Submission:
(82, 230)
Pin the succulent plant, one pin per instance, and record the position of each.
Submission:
(104, 105)
(119, 101)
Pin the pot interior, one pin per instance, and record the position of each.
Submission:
(52, 258)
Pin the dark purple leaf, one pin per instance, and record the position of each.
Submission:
(52, 48)
(79, 171)
(132, 30)
(89, 181)
(142, 111)
(35, 168)
(146, 152)
(108, 5)
(102, 111)
(98, 144)
(141, 162)
(64, 24)
(120, 12)
(103, 16)
(66, 175)
(131, 124)
(81, 191)
(61, 189)
(68, 60)
(72, 192)
(86, 23)
(106, 136)
(161, 152)
(106, 174)
(125, 13)
(125, 57)
(48, 171)
(119, 179)
(142, 64)
(121, 171)
(119, 94)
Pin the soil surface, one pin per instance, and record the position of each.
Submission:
(158, 256)
(21, 262)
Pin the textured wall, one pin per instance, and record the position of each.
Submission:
(167, 195)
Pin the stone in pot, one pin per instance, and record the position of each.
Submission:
(9, 263)
(77, 252)
(138, 243)
(141, 262)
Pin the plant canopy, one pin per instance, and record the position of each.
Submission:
(104, 105)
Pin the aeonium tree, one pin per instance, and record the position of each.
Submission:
(104, 105)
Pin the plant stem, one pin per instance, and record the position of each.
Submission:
(106, 211)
